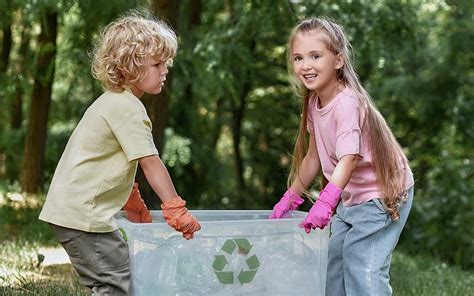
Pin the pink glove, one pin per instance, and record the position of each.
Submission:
(321, 212)
(289, 202)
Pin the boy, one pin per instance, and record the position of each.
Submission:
(95, 174)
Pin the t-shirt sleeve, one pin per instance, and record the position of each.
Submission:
(133, 132)
(309, 117)
(348, 132)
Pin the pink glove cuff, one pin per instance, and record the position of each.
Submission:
(330, 195)
(320, 213)
(289, 202)
(294, 200)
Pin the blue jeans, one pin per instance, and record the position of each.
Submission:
(360, 248)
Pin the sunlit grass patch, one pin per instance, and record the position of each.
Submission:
(19, 218)
(22, 236)
(22, 273)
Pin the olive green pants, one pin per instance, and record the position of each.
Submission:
(100, 259)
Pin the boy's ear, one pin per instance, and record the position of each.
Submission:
(339, 61)
(125, 74)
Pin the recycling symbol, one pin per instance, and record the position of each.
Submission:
(242, 246)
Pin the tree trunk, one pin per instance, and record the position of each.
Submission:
(237, 118)
(21, 77)
(6, 47)
(32, 169)
(157, 105)
(6, 20)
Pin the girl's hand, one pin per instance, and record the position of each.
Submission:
(321, 212)
(289, 202)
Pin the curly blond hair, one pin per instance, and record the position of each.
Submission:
(123, 46)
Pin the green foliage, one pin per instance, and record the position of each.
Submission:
(19, 215)
(58, 136)
(443, 155)
(445, 208)
(176, 152)
(11, 141)
(230, 91)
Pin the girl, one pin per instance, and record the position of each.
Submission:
(359, 158)
(95, 174)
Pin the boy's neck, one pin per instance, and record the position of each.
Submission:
(136, 92)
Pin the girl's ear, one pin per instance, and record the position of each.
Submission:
(339, 61)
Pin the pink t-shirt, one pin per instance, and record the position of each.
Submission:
(337, 129)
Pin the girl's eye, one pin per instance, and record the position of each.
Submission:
(315, 57)
(296, 59)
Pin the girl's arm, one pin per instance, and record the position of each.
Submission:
(158, 177)
(320, 213)
(344, 169)
(308, 169)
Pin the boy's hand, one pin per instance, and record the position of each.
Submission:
(289, 202)
(135, 208)
(178, 217)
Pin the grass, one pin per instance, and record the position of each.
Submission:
(21, 236)
(22, 271)
(422, 275)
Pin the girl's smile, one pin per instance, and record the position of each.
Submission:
(314, 64)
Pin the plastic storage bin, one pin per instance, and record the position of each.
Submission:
(234, 253)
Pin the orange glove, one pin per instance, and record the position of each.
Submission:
(178, 217)
(135, 207)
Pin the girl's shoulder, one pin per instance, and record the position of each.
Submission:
(348, 93)
(347, 99)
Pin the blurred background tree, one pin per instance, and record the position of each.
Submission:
(226, 121)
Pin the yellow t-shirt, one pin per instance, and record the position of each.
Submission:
(95, 174)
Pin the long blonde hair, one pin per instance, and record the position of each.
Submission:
(388, 158)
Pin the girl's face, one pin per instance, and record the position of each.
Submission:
(154, 79)
(313, 63)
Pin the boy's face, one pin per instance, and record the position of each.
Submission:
(154, 78)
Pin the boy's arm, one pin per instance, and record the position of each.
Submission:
(174, 210)
(158, 177)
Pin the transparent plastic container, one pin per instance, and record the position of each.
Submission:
(234, 253)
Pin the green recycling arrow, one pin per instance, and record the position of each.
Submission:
(246, 277)
(253, 262)
(225, 277)
(220, 262)
(244, 245)
(229, 246)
